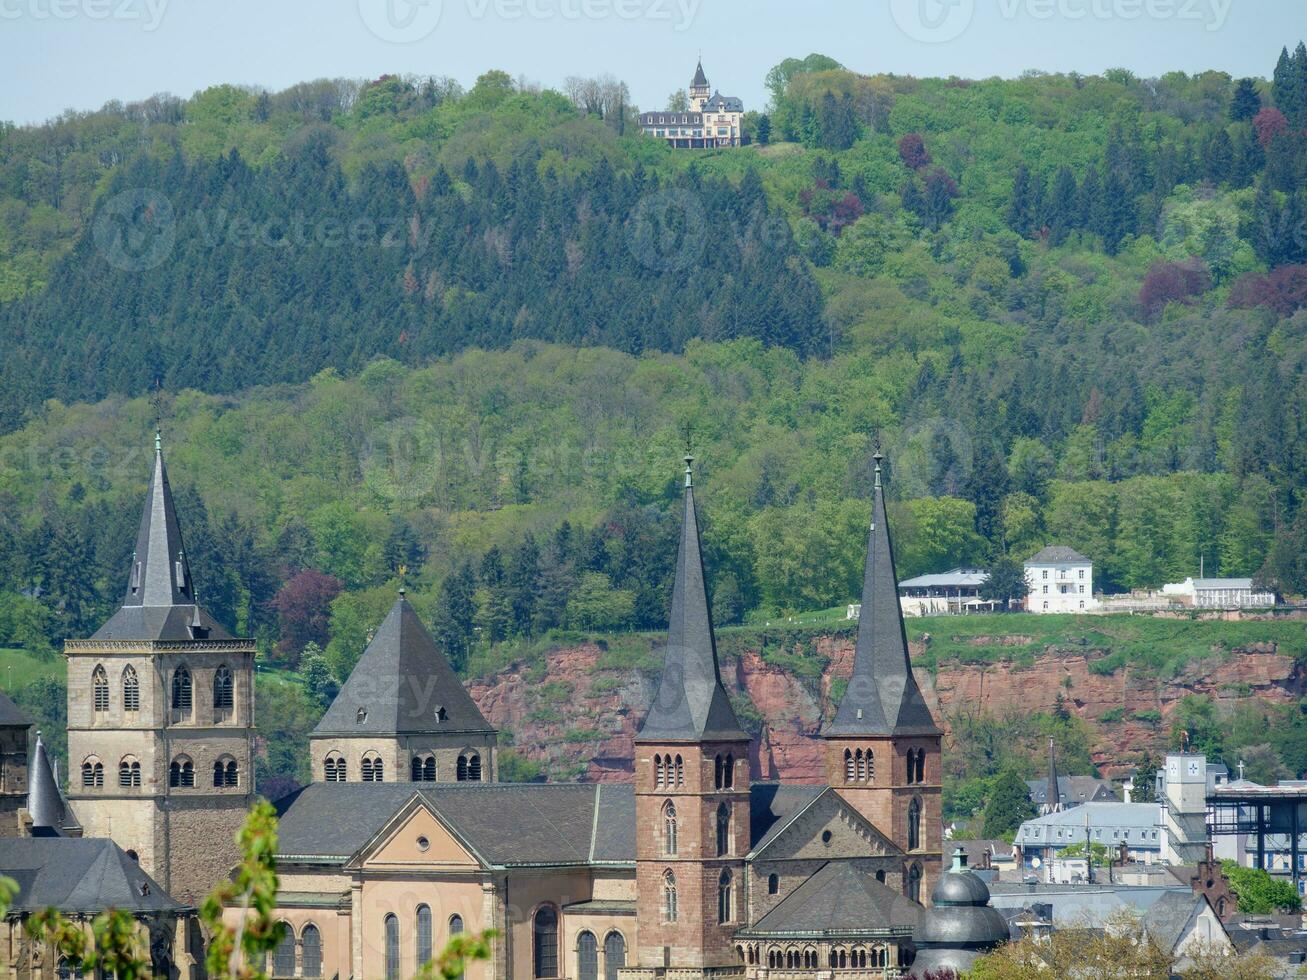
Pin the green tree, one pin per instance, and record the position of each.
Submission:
(596, 605)
(1258, 892)
(1006, 583)
(1008, 805)
(1245, 103)
(319, 682)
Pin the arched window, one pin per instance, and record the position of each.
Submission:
(614, 954)
(871, 764)
(423, 930)
(921, 766)
(92, 773)
(224, 693)
(669, 828)
(67, 971)
(99, 689)
(474, 768)
(723, 830)
(310, 952)
(669, 897)
(914, 824)
(914, 883)
(283, 957)
(181, 772)
(728, 771)
(660, 772)
(587, 956)
(333, 768)
(455, 925)
(717, 773)
(373, 771)
(225, 772)
(545, 941)
(680, 771)
(861, 765)
(181, 694)
(129, 772)
(773, 884)
(392, 947)
(131, 689)
(848, 766)
(423, 769)
(725, 888)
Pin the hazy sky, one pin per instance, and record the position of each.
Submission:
(59, 54)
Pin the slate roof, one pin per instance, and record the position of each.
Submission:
(79, 874)
(723, 103)
(160, 602)
(691, 705)
(45, 804)
(399, 685)
(1166, 918)
(839, 893)
(773, 807)
(1222, 583)
(882, 697)
(1057, 553)
(1074, 789)
(700, 80)
(954, 578)
(12, 716)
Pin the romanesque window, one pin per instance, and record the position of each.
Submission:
(879, 957)
(545, 941)
(224, 696)
(283, 957)
(914, 883)
(333, 769)
(226, 772)
(392, 947)
(131, 689)
(469, 768)
(914, 824)
(773, 884)
(725, 888)
(92, 773)
(373, 769)
(455, 925)
(669, 828)
(723, 830)
(669, 896)
(129, 772)
(181, 694)
(310, 952)
(423, 769)
(100, 689)
(423, 931)
(614, 954)
(587, 956)
(181, 772)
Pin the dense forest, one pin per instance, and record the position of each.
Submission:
(457, 337)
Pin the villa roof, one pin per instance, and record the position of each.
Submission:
(1057, 554)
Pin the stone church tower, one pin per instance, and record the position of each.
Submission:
(700, 90)
(691, 789)
(13, 766)
(160, 717)
(883, 746)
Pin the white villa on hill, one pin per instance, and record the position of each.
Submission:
(1061, 580)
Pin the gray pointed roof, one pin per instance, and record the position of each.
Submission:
(45, 804)
(1053, 788)
(700, 80)
(691, 705)
(882, 697)
(399, 685)
(839, 898)
(79, 874)
(12, 716)
(160, 602)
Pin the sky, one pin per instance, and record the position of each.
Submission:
(78, 54)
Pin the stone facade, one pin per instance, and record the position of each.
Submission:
(397, 753)
(13, 778)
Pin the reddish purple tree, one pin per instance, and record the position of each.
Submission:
(1284, 290)
(304, 611)
(1169, 282)
(913, 152)
(1269, 124)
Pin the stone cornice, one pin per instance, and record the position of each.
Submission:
(159, 646)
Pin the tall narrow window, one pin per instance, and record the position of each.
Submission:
(181, 694)
(871, 765)
(392, 947)
(849, 772)
(587, 956)
(723, 830)
(99, 689)
(310, 952)
(545, 942)
(455, 925)
(660, 773)
(717, 773)
(614, 954)
(680, 771)
(728, 771)
(131, 689)
(462, 769)
(921, 766)
(861, 765)
(725, 887)
(283, 957)
(474, 768)
(914, 883)
(669, 828)
(914, 824)
(224, 694)
(423, 930)
(669, 897)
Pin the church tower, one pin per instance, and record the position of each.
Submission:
(161, 715)
(700, 90)
(883, 746)
(691, 788)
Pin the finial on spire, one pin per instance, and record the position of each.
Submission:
(689, 455)
(158, 441)
(876, 458)
(156, 403)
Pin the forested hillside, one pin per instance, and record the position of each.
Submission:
(458, 336)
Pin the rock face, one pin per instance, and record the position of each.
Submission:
(579, 715)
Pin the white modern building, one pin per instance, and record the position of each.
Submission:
(1061, 580)
(1136, 825)
(1219, 593)
(941, 593)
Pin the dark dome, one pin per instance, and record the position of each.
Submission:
(965, 926)
(960, 925)
(960, 888)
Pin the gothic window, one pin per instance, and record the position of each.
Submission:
(181, 694)
(773, 884)
(669, 828)
(614, 954)
(587, 956)
(131, 689)
(392, 947)
(728, 771)
(423, 931)
(914, 883)
(914, 824)
(283, 957)
(921, 766)
(224, 696)
(717, 772)
(310, 952)
(725, 888)
(680, 771)
(226, 772)
(181, 772)
(723, 830)
(669, 897)
(848, 766)
(373, 769)
(545, 942)
(861, 765)
(66, 970)
(100, 689)
(333, 769)
(660, 775)
(129, 772)
(871, 765)
(92, 773)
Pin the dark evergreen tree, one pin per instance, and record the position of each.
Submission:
(1246, 102)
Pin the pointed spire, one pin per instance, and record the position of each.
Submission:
(1053, 795)
(700, 80)
(691, 705)
(44, 803)
(882, 697)
(160, 575)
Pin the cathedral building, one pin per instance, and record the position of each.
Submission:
(712, 119)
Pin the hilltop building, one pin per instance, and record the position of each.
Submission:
(1061, 580)
(712, 119)
(1220, 593)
